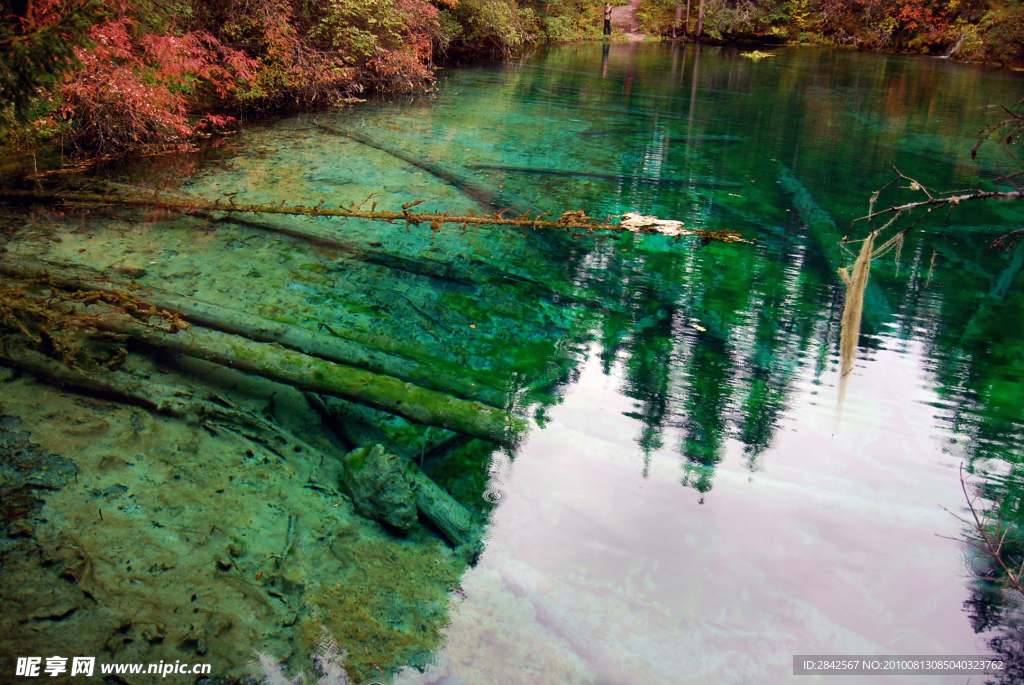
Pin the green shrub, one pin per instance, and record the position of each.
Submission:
(496, 27)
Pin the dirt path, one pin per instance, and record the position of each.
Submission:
(624, 18)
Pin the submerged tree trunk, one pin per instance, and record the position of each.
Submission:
(328, 347)
(304, 372)
(156, 397)
(493, 197)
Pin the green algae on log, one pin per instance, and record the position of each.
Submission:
(304, 372)
(141, 392)
(327, 347)
(571, 221)
(388, 488)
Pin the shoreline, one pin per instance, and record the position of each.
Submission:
(29, 166)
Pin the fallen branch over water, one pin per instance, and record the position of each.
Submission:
(575, 222)
(994, 532)
(938, 200)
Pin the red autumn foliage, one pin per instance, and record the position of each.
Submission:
(137, 91)
(918, 25)
(143, 79)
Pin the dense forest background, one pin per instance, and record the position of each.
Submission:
(100, 76)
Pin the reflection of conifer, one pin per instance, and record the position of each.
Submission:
(706, 402)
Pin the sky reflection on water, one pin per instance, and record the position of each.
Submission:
(687, 514)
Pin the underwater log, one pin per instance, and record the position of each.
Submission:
(305, 372)
(388, 488)
(476, 271)
(481, 191)
(126, 388)
(331, 348)
(825, 233)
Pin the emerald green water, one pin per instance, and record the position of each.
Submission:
(687, 513)
(683, 507)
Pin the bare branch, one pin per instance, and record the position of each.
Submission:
(992, 543)
(943, 201)
(1007, 240)
(571, 221)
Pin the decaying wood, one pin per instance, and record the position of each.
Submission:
(128, 389)
(432, 502)
(387, 488)
(493, 197)
(575, 222)
(258, 329)
(441, 509)
(304, 372)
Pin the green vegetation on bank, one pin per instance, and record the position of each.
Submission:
(103, 76)
(975, 30)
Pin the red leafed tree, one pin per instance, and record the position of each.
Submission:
(136, 91)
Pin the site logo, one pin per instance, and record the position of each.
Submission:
(55, 665)
(32, 666)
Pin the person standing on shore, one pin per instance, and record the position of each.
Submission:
(607, 18)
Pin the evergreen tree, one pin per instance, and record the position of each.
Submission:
(37, 47)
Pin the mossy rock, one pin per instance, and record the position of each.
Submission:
(379, 486)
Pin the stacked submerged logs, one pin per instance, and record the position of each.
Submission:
(304, 359)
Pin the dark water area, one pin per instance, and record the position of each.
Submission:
(684, 506)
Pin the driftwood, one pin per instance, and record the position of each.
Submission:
(304, 372)
(575, 222)
(313, 343)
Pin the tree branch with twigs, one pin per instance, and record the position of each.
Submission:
(992, 533)
(1006, 133)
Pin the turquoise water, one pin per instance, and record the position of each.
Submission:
(684, 506)
(689, 513)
